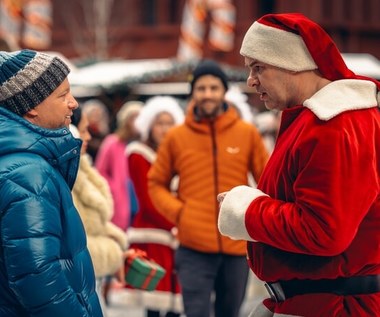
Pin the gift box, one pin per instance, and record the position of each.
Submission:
(141, 272)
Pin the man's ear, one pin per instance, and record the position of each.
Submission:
(31, 114)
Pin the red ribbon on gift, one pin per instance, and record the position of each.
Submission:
(142, 255)
(136, 253)
(149, 277)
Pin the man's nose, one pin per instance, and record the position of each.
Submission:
(73, 103)
(252, 81)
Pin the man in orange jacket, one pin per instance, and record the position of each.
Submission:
(213, 151)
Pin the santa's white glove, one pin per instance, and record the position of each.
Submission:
(233, 206)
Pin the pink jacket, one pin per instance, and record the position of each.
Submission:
(111, 162)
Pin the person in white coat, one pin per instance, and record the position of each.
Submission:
(92, 197)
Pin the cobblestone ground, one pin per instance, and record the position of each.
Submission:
(118, 308)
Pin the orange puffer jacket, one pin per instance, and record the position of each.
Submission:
(209, 158)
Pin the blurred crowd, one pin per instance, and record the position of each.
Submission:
(121, 149)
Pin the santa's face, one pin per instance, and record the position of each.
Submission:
(278, 88)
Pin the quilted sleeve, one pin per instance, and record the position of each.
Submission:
(159, 179)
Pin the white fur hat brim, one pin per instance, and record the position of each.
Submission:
(152, 108)
(277, 47)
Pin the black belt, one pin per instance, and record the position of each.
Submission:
(355, 285)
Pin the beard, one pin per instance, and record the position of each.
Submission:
(209, 109)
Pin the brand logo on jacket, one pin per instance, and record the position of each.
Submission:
(233, 150)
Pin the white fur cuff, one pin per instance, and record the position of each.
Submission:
(231, 220)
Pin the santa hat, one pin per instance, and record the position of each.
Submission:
(153, 107)
(292, 41)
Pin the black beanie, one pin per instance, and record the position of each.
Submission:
(208, 67)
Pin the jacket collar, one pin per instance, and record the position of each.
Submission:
(221, 122)
(58, 147)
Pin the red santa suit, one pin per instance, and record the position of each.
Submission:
(316, 212)
(152, 233)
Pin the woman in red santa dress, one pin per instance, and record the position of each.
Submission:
(150, 231)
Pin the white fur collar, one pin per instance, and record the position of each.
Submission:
(138, 147)
(342, 95)
(92, 190)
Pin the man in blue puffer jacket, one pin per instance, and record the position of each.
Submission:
(45, 267)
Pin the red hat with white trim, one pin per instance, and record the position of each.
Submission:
(293, 42)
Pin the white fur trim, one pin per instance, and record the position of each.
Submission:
(277, 48)
(231, 221)
(150, 235)
(137, 147)
(153, 107)
(157, 300)
(74, 131)
(145, 151)
(163, 301)
(342, 95)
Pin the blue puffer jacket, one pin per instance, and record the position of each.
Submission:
(45, 267)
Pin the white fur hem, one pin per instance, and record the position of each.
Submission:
(231, 220)
(150, 235)
(157, 300)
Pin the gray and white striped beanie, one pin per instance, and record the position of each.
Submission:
(27, 78)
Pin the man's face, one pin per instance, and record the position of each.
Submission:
(277, 87)
(208, 95)
(56, 110)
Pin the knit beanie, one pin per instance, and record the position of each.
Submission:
(27, 78)
(208, 67)
(152, 108)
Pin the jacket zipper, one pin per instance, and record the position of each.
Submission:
(216, 180)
